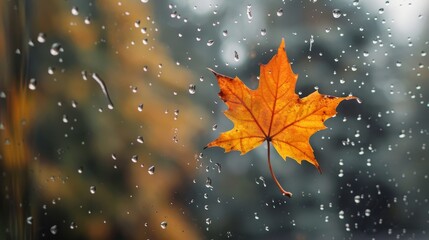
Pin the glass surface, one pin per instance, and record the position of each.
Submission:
(106, 107)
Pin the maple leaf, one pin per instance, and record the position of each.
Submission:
(274, 113)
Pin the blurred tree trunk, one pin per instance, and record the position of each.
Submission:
(14, 158)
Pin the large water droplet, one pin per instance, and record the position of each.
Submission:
(336, 13)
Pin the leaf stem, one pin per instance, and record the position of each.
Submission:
(284, 192)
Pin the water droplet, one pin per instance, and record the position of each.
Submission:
(103, 88)
(402, 135)
(263, 32)
(56, 49)
(280, 12)
(87, 20)
(140, 107)
(51, 70)
(135, 158)
(164, 224)
(398, 63)
(54, 229)
(214, 127)
(92, 189)
(210, 43)
(41, 38)
(381, 10)
(208, 221)
(225, 33)
(73, 225)
(249, 12)
(236, 57)
(357, 199)
(365, 54)
(65, 119)
(209, 183)
(219, 167)
(355, 3)
(336, 13)
(341, 214)
(423, 54)
(354, 68)
(192, 88)
(145, 41)
(140, 139)
(75, 11)
(32, 84)
(144, 1)
(256, 216)
(151, 170)
(367, 212)
(80, 170)
(311, 42)
(30, 220)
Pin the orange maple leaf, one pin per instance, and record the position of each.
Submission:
(274, 113)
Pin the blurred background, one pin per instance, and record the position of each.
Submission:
(105, 107)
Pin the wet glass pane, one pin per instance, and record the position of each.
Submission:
(106, 108)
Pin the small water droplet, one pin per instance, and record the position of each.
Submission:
(398, 63)
(75, 11)
(54, 229)
(140, 107)
(92, 189)
(135, 158)
(41, 38)
(192, 88)
(80, 170)
(341, 214)
(225, 33)
(32, 84)
(357, 199)
(208, 221)
(164, 224)
(381, 10)
(256, 216)
(151, 170)
(140, 139)
(210, 43)
(30, 220)
(73, 225)
(355, 3)
(263, 32)
(336, 13)
(219, 167)
(214, 127)
(209, 183)
(87, 20)
(354, 68)
(280, 12)
(236, 57)
(56, 49)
